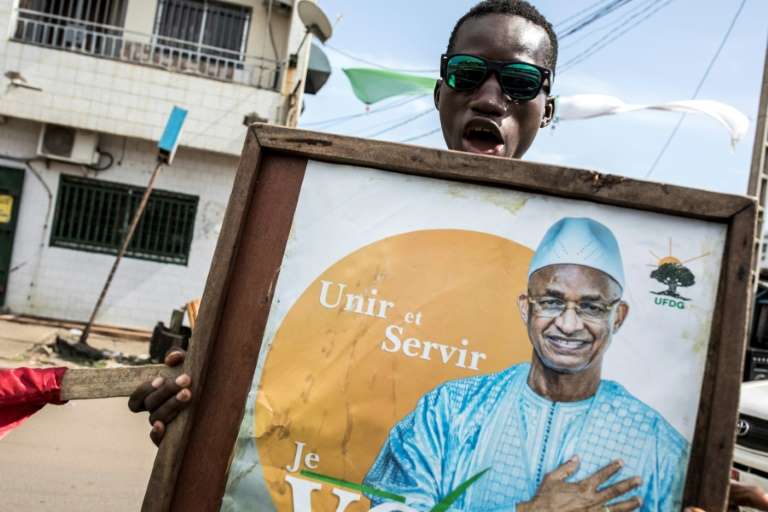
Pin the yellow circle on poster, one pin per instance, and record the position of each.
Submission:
(370, 336)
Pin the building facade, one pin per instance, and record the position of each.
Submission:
(88, 86)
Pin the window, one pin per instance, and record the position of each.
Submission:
(210, 28)
(92, 26)
(94, 215)
(104, 12)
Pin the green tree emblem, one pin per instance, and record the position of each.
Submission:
(673, 275)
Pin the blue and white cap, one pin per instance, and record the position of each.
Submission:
(580, 241)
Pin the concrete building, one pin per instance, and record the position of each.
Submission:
(88, 87)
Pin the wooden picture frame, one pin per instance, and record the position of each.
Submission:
(190, 470)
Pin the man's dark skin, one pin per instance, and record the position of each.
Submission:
(493, 36)
(570, 374)
(496, 37)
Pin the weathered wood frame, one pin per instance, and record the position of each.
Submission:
(190, 470)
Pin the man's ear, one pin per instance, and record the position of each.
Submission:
(523, 305)
(436, 94)
(549, 112)
(622, 310)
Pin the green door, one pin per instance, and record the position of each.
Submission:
(11, 181)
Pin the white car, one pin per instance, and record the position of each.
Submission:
(750, 458)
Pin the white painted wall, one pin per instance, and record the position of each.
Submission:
(140, 17)
(65, 283)
(129, 99)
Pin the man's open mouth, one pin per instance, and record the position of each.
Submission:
(567, 345)
(484, 137)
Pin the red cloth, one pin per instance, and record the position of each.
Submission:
(24, 391)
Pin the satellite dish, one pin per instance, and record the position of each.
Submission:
(315, 20)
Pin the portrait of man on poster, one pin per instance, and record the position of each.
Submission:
(552, 434)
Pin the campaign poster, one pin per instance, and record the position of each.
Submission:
(438, 345)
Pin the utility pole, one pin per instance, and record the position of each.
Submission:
(166, 150)
(758, 176)
(758, 187)
(123, 249)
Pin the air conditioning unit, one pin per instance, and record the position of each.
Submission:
(68, 144)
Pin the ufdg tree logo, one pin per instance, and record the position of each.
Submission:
(673, 275)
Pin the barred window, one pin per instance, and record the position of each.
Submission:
(209, 27)
(94, 215)
(65, 12)
(91, 26)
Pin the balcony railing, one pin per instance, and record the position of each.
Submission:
(111, 42)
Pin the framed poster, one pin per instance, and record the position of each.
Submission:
(394, 328)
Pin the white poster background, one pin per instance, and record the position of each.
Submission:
(658, 355)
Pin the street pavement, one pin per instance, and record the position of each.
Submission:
(85, 455)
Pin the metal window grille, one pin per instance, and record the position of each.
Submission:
(212, 28)
(212, 36)
(94, 215)
(106, 12)
(71, 24)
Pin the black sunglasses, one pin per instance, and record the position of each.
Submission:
(521, 81)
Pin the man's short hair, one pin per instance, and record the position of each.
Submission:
(514, 8)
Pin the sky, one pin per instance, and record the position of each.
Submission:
(662, 58)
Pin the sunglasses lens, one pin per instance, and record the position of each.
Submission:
(465, 72)
(521, 81)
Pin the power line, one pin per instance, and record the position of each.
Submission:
(698, 88)
(376, 64)
(421, 136)
(579, 13)
(342, 119)
(389, 122)
(591, 18)
(608, 26)
(402, 123)
(236, 106)
(612, 36)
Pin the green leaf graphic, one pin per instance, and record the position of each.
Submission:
(444, 505)
(372, 491)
